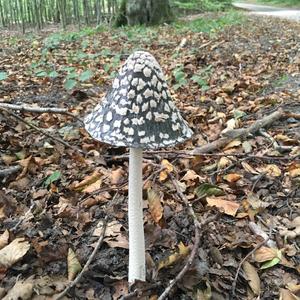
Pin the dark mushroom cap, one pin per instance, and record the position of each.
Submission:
(138, 112)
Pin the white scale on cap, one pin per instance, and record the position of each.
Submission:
(138, 112)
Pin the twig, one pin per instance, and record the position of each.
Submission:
(85, 268)
(239, 133)
(59, 140)
(276, 146)
(245, 258)
(194, 252)
(39, 110)
(9, 171)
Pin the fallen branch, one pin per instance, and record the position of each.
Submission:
(39, 110)
(198, 227)
(85, 268)
(9, 171)
(59, 140)
(239, 133)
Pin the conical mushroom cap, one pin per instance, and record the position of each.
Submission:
(138, 111)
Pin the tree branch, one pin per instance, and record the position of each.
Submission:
(39, 110)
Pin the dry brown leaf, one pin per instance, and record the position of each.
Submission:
(294, 170)
(74, 266)
(8, 159)
(117, 176)
(293, 287)
(87, 181)
(4, 239)
(233, 144)
(273, 170)
(253, 278)
(248, 168)
(13, 252)
(190, 175)
(21, 290)
(114, 236)
(25, 164)
(168, 169)
(155, 206)
(224, 162)
(182, 252)
(229, 207)
(93, 187)
(287, 295)
(265, 254)
(232, 177)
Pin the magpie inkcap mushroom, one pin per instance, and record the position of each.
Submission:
(138, 112)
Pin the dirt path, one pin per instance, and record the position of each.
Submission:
(291, 14)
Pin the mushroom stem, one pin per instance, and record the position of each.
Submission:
(137, 269)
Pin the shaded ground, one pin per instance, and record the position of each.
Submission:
(221, 80)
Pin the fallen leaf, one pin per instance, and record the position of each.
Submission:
(248, 168)
(52, 178)
(168, 168)
(182, 252)
(190, 176)
(229, 207)
(25, 164)
(270, 263)
(13, 252)
(287, 295)
(93, 187)
(232, 177)
(207, 189)
(271, 170)
(117, 176)
(233, 144)
(114, 236)
(4, 239)
(155, 207)
(21, 290)
(265, 254)
(74, 266)
(294, 170)
(223, 163)
(293, 287)
(253, 278)
(87, 181)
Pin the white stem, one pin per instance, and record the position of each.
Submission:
(137, 268)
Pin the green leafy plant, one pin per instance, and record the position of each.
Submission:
(73, 77)
(202, 77)
(56, 175)
(180, 77)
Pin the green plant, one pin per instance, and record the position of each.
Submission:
(211, 25)
(180, 77)
(202, 77)
(73, 77)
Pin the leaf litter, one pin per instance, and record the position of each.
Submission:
(52, 206)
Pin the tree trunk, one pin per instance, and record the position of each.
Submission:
(149, 12)
(22, 16)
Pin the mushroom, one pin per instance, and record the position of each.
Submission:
(138, 113)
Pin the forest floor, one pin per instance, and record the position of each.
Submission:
(58, 185)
